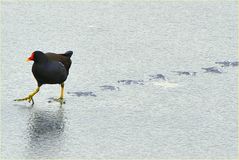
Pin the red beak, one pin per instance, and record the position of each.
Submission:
(31, 58)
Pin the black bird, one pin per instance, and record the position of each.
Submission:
(49, 68)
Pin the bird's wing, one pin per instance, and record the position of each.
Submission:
(61, 58)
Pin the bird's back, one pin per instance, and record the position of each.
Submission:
(63, 58)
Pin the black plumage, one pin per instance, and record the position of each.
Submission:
(49, 68)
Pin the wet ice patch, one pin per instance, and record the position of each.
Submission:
(109, 87)
(234, 64)
(228, 63)
(84, 94)
(157, 77)
(185, 73)
(212, 70)
(223, 64)
(129, 82)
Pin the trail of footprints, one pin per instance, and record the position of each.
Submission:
(158, 77)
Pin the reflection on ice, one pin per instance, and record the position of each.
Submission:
(45, 129)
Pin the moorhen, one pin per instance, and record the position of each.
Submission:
(49, 68)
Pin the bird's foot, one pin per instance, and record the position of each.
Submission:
(61, 100)
(28, 98)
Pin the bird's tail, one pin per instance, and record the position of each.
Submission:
(68, 54)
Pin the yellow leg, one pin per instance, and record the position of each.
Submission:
(60, 99)
(62, 91)
(29, 98)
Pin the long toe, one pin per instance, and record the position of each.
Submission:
(21, 99)
(28, 98)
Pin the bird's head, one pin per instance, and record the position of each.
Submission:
(37, 56)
